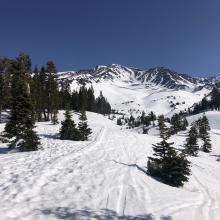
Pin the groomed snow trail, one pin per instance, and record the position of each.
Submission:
(103, 178)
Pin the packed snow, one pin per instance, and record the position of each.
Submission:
(104, 178)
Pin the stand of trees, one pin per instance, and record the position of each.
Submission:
(213, 103)
(69, 131)
(133, 122)
(178, 123)
(37, 96)
(85, 100)
(199, 129)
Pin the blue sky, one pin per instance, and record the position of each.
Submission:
(183, 35)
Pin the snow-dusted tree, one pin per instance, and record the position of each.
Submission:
(164, 130)
(167, 165)
(84, 130)
(204, 129)
(191, 146)
(68, 129)
(19, 128)
(152, 117)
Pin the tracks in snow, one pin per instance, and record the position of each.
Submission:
(208, 202)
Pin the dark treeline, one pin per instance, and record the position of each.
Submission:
(84, 99)
(37, 96)
(211, 103)
(47, 94)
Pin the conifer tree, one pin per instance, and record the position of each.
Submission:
(215, 98)
(83, 98)
(65, 94)
(191, 146)
(19, 128)
(102, 105)
(91, 100)
(143, 117)
(75, 101)
(152, 117)
(52, 91)
(164, 131)
(5, 83)
(1, 94)
(184, 124)
(167, 165)
(84, 130)
(175, 122)
(68, 129)
(119, 122)
(204, 129)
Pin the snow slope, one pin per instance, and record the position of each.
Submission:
(158, 89)
(124, 96)
(104, 178)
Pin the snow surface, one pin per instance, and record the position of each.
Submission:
(104, 178)
(131, 89)
(136, 96)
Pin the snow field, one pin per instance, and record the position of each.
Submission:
(104, 178)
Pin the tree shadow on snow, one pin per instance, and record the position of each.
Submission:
(4, 150)
(132, 165)
(143, 170)
(103, 214)
(50, 136)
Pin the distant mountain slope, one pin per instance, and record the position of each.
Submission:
(158, 89)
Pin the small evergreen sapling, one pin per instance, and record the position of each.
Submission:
(191, 146)
(68, 129)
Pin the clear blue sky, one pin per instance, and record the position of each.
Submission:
(183, 35)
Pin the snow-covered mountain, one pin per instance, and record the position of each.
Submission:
(157, 89)
(157, 76)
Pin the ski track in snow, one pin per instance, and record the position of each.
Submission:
(105, 173)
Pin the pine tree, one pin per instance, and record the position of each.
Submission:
(68, 129)
(1, 94)
(152, 117)
(191, 146)
(167, 165)
(84, 130)
(143, 117)
(52, 91)
(164, 131)
(176, 124)
(184, 124)
(19, 128)
(83, 101)
(119, 122)
(175, 169)
(204, 129)
(75, 101)
(215, 98)
(102, 105)
(65, 94)
(91, 100)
